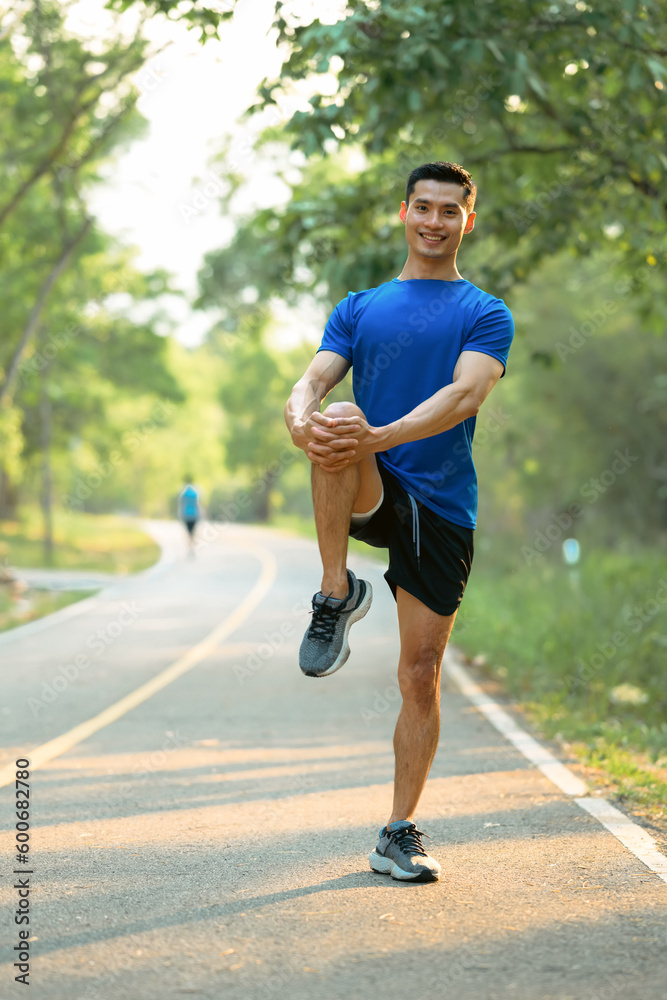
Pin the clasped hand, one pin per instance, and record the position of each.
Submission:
(335, 442)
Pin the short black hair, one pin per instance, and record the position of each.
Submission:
(450, 173)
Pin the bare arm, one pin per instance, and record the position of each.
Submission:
(474, 377)
(324, 372)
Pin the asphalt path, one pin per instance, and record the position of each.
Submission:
(212, 841)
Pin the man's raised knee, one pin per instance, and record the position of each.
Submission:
(343, 409)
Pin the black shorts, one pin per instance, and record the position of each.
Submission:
(190, 524)
(429, 557)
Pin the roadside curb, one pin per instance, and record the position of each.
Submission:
(633, 837)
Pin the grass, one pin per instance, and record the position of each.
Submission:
(103, 542)
(34, 604)
(582, 652)
(584, 655)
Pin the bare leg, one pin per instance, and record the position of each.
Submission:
(335, 496)
(424, 636)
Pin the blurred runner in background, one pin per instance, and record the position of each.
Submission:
(189, 510)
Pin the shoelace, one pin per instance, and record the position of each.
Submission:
(323, 624)
(409, 840)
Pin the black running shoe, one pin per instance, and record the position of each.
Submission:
(400, 853)
(325, 647)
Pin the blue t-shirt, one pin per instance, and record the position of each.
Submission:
(404, 339)
(189, 503)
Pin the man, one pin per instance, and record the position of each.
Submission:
(188, 509)
(395, 469)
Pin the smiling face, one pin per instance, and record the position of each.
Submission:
(436, 219)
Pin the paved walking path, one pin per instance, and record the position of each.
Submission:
(65, 579)
(213, 840)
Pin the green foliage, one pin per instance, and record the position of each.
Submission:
(552, 106)
(253, 392)
(204, 17)
(583, 385)
(318, 243)
(69, 352)
(108, 544)
(586, 656)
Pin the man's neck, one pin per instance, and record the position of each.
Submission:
(423, 267)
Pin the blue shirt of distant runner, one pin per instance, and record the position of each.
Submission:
(404, 339)
(189, 503)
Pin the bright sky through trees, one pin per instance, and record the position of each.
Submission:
(193, 95)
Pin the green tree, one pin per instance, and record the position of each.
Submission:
(574, 440)
(66, 107)
(253, 392)
(557, 108)
(66, 354)
(204, 17)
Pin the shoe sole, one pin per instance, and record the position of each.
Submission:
(355, 616)
(388, 867)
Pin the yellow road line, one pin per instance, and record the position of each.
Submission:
(47, 751)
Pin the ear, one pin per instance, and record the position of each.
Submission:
(403, 212)
(470, 224)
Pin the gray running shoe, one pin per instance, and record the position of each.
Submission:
(325, 647)
(400, 853)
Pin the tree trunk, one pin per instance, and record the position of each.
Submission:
(46, 433)
(263, 508)
(36, 312)
(9, 498)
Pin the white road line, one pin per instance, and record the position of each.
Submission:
(523, 741)
(630, 834)
(53, 748)
(638, 841)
